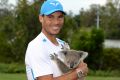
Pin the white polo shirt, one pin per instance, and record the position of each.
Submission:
(37, 58)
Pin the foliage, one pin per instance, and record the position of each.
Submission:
(92, 42)
(88, 17)
(68, 29)
(18, 27)
(96, 49)
(12, 68)
(104, 73)
(80, 40)
(110, 20)
(111, 59)
(27, 15)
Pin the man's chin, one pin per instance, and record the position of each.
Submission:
(54, 33)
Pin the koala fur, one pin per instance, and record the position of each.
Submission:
(62, 66)
(72, 58)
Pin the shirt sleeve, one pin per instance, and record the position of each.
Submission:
(37, 62)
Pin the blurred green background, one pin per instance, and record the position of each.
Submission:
(19, 25)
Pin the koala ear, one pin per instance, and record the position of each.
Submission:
(83, 54)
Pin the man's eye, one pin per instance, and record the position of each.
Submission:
(50, 16)
(61, 16)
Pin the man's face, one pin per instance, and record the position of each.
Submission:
(52, 24)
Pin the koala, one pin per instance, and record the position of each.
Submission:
(72, 58)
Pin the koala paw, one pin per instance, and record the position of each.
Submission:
(53, 56)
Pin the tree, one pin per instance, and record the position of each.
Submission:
(69, 27)
(7, 25)
(110, 20)
(18, 27)
(91, 41)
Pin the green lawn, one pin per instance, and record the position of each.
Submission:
(23, 77)
(102, 78)
(12, 76)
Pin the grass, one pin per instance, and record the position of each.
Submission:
(102, 78)
(6, 76)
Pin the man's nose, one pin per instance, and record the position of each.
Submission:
(56, 21)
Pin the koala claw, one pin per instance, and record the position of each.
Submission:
(53, 56)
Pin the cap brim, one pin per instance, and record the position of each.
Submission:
(52, 11)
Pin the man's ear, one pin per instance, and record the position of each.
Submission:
(41, 18)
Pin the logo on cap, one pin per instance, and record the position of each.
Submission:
(54, 4)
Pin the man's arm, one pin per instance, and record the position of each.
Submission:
(68, 76)
(71, 75)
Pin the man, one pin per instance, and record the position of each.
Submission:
(39, 65)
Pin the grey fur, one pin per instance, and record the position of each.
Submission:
(63, 67)
(72, 59)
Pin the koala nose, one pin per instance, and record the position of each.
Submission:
(71, 65)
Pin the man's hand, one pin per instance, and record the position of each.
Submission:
(83, 68)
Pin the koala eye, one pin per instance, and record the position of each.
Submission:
(75, 63)
(65, 53)
(80, 55)
(68, 62)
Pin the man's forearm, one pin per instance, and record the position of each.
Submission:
(72, 75)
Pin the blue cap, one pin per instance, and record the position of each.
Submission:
(51, 6)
